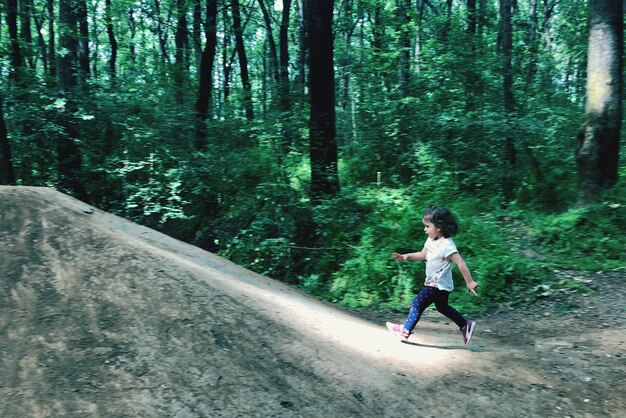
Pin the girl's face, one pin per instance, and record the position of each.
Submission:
(431, 230)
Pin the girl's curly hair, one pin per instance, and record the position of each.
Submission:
(443, 219)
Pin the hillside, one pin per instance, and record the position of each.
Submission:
(101, 317)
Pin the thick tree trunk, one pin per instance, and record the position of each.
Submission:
(26, 34)
(41, 43)
(69, 159)
(17, 61)
(132, 25)
(52, 69)
(598, 139)
(182, 42)
(243, 60)
(7, 175)
(270, 37)
(322, 125)
(83, 40)
(205, 90)
(112, 41)
(159, 30)
(472, 17)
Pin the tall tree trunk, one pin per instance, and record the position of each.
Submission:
(196, 31)
(284, 95)
(302, 50)
(404, 55)
(598, 139)
(52, 70)
(510, 157)
(472, 17)
(205, 89)
(227, 64)
(161, 36)
(83, 39)
(181, 42)
(112, 41)
(7, 175)
(283, 89)
(26, 35)
(17, 61)
(322, 125)
(243, 60)
(41, 43)
(533, 46)
(132, 25)
(270, 37)
(69, 159)
(419, 6)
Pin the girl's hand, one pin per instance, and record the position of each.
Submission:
(472, 286)
(398, 257)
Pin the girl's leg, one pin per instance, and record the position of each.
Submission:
(423, 299)
(441, 303)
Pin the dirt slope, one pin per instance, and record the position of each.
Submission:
(100, 317)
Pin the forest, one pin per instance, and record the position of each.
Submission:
(303, 139)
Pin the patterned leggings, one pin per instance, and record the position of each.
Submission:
(427, 297)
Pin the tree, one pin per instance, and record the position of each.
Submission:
(7, 175)
(83, 39)
(322, 124)
(16, 54)
(243, 60)
(69, 159)
(52, 68)
(205, 87)
(112, 40)
(598, 138)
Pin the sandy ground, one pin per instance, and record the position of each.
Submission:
(100, 317)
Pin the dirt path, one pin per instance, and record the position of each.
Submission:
(103, 318)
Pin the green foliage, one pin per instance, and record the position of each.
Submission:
(437, 137)
(590, 237)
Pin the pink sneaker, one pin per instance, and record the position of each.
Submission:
(468, 330)
(398, 330)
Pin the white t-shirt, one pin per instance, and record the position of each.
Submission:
(438, 267)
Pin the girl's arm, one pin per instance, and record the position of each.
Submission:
(421, 256)
(469, 282)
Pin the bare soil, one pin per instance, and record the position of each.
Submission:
(100, 317)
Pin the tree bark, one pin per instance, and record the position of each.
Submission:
(283, 89)
(472, 17)
(52, 69)
(83, 40)
(196, 30)
(243, 60)
(112, 41)
(598, 138)
(7, 175)
(404, 56)
(322, 124)
(26, 35)
(205, 90)
(17, 61)
(181, 42)
(270, 37)
(159, 29)
(69, 159)
(302, 50)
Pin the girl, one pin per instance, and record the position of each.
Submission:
(439, 252)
